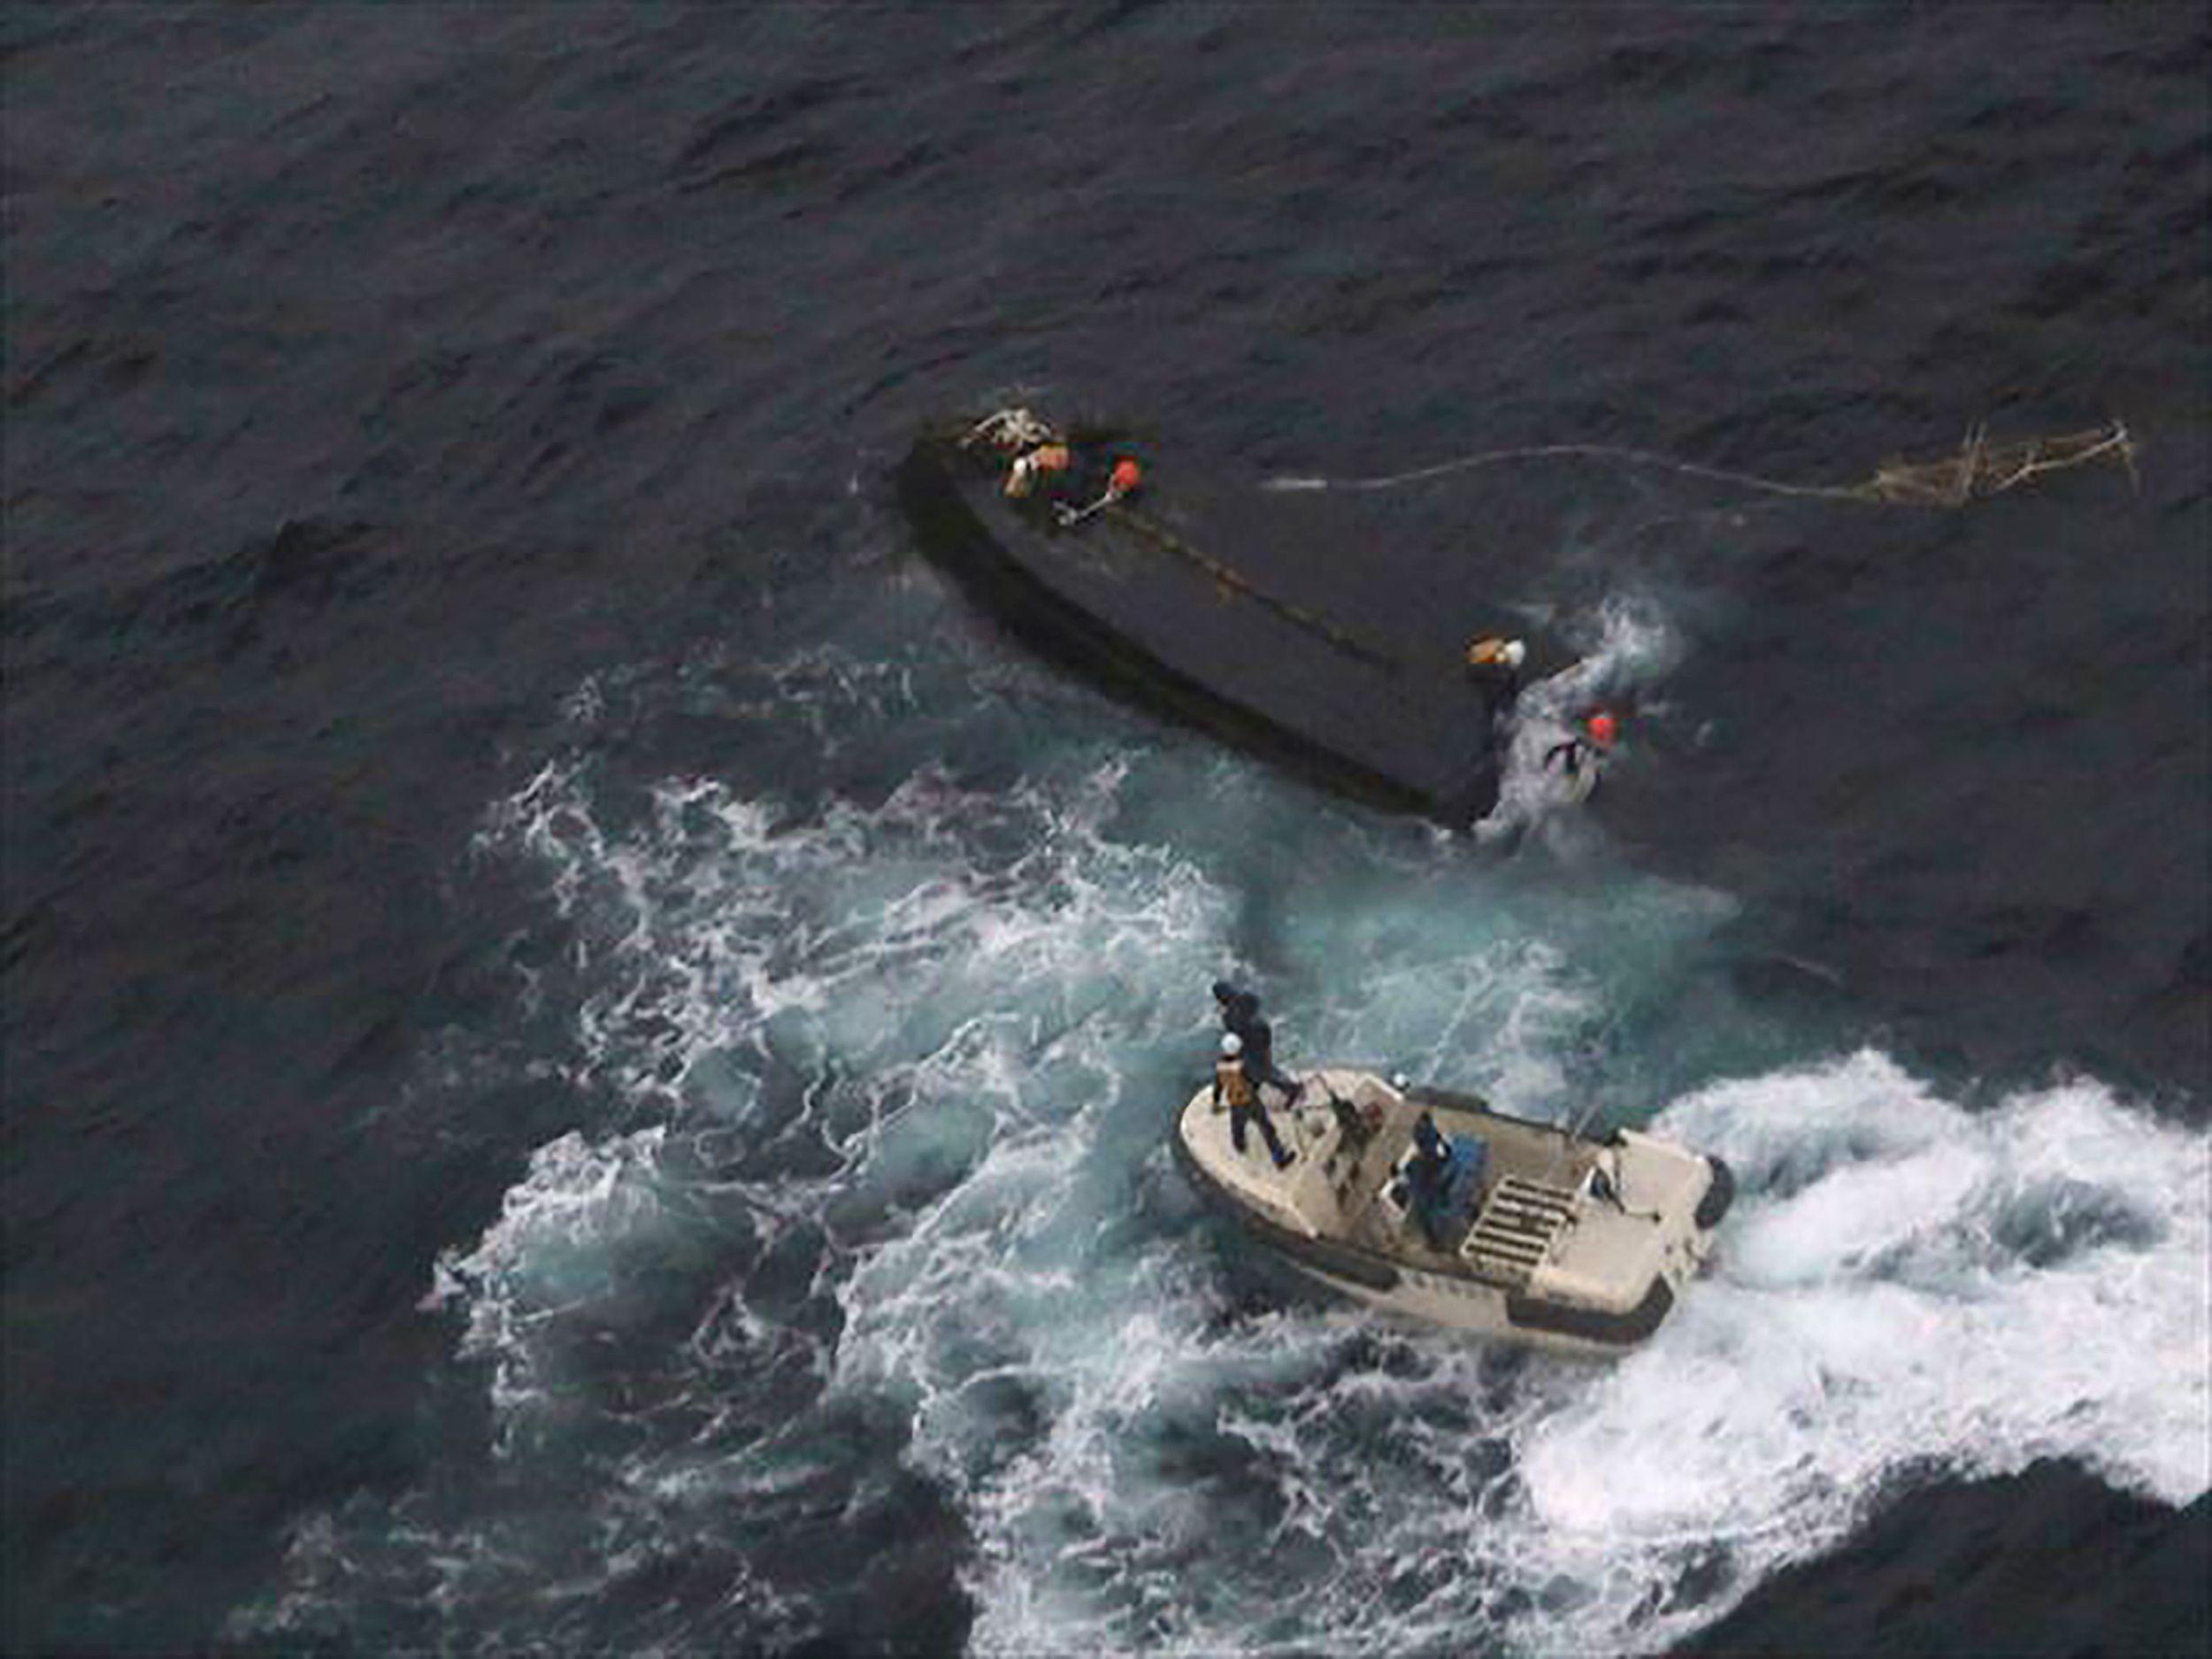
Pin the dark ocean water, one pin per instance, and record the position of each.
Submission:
(586, 1049)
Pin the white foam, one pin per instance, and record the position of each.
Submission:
(996, 989)
(906, 1068)
(1634, 647)
(556, 1246)
(1880, 1310)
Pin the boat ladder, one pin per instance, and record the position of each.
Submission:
(1516, 1230)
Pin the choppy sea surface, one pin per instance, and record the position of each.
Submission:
(587, 1046)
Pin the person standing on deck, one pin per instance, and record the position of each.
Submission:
(1234, 1087)
(1241, 1014)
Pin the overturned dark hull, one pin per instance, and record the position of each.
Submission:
(1232, 610)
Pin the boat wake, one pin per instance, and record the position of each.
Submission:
(865, 1237)
(1911, 1288)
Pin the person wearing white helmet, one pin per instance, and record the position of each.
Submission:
(1234, 1088)
(1240, 1013)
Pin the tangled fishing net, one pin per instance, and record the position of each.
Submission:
(1982, 468)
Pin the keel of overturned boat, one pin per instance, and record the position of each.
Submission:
(1254, 617)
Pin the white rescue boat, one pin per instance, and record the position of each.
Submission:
(1502, 1226)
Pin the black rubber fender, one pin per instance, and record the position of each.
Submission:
(1718, 1196)
(1532, 1313)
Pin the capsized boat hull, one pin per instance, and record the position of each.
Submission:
(1547, 1255)
(1254, 617)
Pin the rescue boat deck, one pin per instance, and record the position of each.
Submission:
(1528, 1169)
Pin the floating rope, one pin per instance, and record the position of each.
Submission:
(1979, 470)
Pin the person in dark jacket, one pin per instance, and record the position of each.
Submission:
(1426, 1174)
(1234, 1088)
(1241, 1014)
